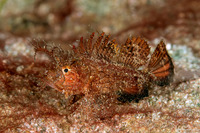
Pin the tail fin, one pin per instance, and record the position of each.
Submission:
(161, 66)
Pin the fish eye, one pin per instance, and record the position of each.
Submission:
(66, 70)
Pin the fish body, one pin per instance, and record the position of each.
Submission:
(107, 67)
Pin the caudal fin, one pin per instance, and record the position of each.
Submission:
(161, 66)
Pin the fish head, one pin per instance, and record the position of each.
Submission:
(66, 80)
(70, 76)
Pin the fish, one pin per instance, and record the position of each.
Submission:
(104, 66)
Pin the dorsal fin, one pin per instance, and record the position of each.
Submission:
(161, 66)
(108, 49)
(134, 52)
(98, 41)
(90, 46)
(81, 48)
(87, 47)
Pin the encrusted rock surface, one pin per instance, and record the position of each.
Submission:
(26, 105)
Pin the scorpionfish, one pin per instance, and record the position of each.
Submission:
(106, 67)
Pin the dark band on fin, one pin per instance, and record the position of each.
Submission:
(127, 97)
(161, 66)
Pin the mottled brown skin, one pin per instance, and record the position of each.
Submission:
(106, 67)
(92, 76)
